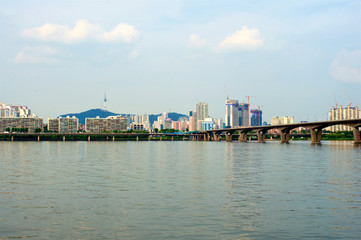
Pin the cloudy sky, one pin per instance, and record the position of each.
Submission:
(293, 57)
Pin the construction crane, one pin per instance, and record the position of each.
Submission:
(350, 103)
(334, 95)
(225, 90)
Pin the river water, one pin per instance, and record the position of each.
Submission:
(180, 190)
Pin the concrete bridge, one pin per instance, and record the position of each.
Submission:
(284, 131)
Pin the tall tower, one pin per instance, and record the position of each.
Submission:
(105, 100)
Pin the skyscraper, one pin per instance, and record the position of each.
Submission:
(232, 113)
(256, 117)
(243, 114)
(202, 113)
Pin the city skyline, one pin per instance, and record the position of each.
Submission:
(161, 56)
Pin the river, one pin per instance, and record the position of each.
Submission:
(180, 190)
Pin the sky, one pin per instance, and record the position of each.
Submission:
(294, 58)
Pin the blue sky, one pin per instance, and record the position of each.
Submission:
(153, 56)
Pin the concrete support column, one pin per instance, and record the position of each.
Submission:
(242, 137)
(228, 137)
(148, 137)
(38, 138)
(356, 135)
(160, 138)
(107, 138)
(261, 137)
(137, 138)
(172, 138)
(12, 138)
(205, 137)
(113, 138)
(184, 138)
(316, 135)
(63, 138)
(89, 138)
(285, 136)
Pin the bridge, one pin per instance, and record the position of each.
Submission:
(209, 135)
(284, 131)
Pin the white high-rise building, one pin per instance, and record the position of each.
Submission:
(343, 114)
(232, 114)
(202, 113)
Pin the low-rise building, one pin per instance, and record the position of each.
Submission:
(63, 125)
(109, 124)
(31, 124)
(137, 126)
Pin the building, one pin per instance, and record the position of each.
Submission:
(282, 120)
(137, 126)
(341, 113)
(243, 114)
(63, 125)
(26, 124)
(202, 113)
(193, 121)
(232, 113)
(256, 117)
(10, 111)
(207, 124)
(109, 124)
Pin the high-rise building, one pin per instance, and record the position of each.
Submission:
(232, 113)
(193, 121)
(202, 113)
(243, 114)
(256, 117)
(343, 114)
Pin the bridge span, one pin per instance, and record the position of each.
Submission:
(284, 131)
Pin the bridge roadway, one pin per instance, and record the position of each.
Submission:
(284, 129)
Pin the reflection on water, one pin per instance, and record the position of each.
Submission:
(184, 190)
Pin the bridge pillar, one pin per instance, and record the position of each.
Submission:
(38, 138)
(137, 139)
(356, 135)
(261, 136)
(113, 138)
(316, 134)
(285, 136)
(242, 137)
(12, 138)
(172, 138)
(183, 138)
(63, 138)
(228, 136)
(88, 138)
(148, 137)
(160, 138)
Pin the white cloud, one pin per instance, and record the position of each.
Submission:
(83, 30)
(246, 38)
(196, 41)
(38, 54)
(346, 66)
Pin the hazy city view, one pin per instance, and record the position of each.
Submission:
(180, 119)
